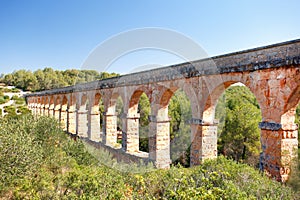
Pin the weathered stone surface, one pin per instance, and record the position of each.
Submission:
(272, 73)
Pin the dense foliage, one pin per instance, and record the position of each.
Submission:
(238, 130)
(39, 161)
(48, 78)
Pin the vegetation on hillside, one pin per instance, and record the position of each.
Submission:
(39, 161)
(49, 79)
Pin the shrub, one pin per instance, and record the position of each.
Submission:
(39, 161)
(20, 154)
(11, 110)
(23, 110)
(3, 100)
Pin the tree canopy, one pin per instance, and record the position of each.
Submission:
(48, 78)
(239, 133)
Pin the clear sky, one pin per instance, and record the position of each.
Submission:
(61, 33)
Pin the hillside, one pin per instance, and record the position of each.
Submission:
(39, 161)
(12, 100)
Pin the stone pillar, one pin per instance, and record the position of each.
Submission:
(130, 134)
(71, 121)
(82, 123)
(94, 129)
(34, 112)
(203, 141)
(38, 110)
(279, 149)
(63, 119)
(46, 111)
(159, 142)
(110, 129)
(57, 113)
(42, 112)
(51, 112)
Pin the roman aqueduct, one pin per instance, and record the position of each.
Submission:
(272, 73)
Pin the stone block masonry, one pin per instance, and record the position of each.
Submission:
(272, 73)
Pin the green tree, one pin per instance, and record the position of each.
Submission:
(23, 79)
(105, 75)
(240, 135)
(71, 76)
(8, 79)
(180, 132)
(144, 110)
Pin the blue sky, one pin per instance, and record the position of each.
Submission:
(61, 34)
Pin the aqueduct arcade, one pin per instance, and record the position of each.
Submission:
(272, 73)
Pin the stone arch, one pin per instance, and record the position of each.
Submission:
(135, 133)
(212, 95)
(135, 98)
(51, 105)
(111, 117)
(288, 117)
(97, 98)
(95, 116)
(38, 106)
(42, 105)
(64, 102)
(162, 99)
(83, 100)
(57, 102)
(159, 107)
(205, 131)
(160, 122)
(73, 101)
(43, 102)
(47, 104)
(239, 115)
(111, 102)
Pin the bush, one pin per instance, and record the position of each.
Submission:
(13, 90)
(20, 154)
(15, 97)
(10, 110)
(23, 110)
(4, 99)
(39, 161)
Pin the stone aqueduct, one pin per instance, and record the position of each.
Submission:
(272, 73)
